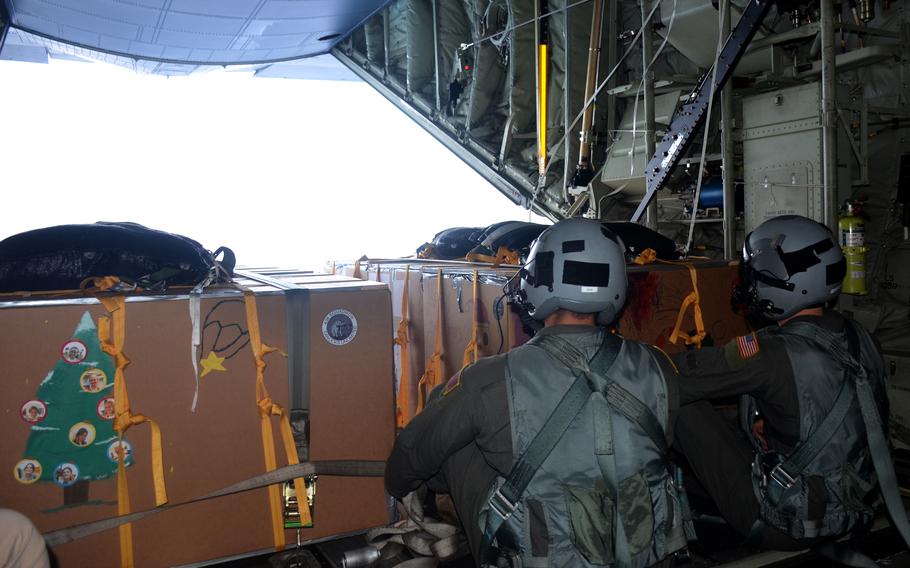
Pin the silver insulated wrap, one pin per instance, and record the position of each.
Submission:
(604, 495)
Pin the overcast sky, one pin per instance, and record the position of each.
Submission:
(285, 172)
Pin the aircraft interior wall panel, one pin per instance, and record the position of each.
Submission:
(420, 45)
(521, 76)
(373, 40)
(782, 154)
(398, 40)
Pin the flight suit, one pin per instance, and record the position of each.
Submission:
(722, 454)
(463, 441)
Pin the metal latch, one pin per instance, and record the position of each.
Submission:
(291, 510)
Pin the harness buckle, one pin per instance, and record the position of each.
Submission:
(501, 505)
(780, 476)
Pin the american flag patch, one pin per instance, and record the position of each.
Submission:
(748, 346)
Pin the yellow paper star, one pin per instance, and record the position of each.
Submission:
(212, 363)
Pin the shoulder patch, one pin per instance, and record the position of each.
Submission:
(747, 345)
(741, 350)
(453, 383)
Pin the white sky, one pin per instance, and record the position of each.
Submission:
(284, 172)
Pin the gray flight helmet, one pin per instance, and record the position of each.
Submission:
(791, 263)
(576, 265)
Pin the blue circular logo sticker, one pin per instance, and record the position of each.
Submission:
(339, 327)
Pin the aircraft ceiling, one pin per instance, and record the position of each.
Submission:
(173, 37)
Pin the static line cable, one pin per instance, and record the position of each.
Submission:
(724, 6)
(590, 101)
(465, 46)
(642, 84)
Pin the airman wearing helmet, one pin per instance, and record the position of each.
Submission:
(524, 441)
(786, 480)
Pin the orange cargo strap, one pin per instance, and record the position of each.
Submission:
(649, 256)
(112, 335)
(358, 273)
(403, 404)
(267, 408)
(427, 251)
(471, 352)
(432, 376)
(692, 299)
(504, 255)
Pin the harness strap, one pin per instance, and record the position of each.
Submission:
(878, 446)
(875, 436)
(618, 397)
(785, 474)
(505, 499)
(337, 468)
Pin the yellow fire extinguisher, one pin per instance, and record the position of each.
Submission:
(852, 228)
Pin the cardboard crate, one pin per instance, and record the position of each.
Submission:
(657, 292)
(342, 377)
(655, 296)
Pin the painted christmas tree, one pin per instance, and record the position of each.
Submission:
(72, 416)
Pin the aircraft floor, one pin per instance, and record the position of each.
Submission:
(717, 547)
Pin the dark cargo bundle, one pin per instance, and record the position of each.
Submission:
(63, 257)
(637, 238)
(506, 242)
(449, 244)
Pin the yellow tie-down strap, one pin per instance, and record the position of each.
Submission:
(432, 376)
(112, 335)
(472, 352)
(403, 404)
(693, 299)
(267, 409)
(504, 255)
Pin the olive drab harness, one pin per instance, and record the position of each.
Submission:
(608, 522)
(843, 464)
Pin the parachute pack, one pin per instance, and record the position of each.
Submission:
(509, 242)
(64, 256)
